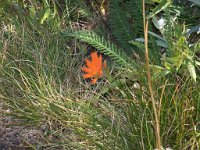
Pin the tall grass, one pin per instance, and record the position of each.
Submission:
(42, 86)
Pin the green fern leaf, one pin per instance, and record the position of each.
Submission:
(120, 26)
(134, 7)
(103, 46)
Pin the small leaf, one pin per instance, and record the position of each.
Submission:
(161, 43)
(163, 4)
(157, 36)
(45, 16)
(192, 30)
(192, 71)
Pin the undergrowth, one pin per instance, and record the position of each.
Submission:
(41, 82)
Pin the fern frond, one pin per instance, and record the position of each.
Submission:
(134, 7)
(120, 26)
(103, 46)
(125, 21)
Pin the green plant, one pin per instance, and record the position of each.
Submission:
(41, 82)
(103, 46)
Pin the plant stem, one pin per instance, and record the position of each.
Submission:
(157, 124)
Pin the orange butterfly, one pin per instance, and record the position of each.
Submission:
(94, 68)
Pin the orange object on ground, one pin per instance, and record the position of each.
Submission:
(94, 68)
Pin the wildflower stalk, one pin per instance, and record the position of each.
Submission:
(157, 124)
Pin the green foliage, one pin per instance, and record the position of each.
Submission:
(103, 46)
(134, 7)
(120, 25)
(125, 23)
(180, 55)
(161, 6)
(195, 1)
(41, 82)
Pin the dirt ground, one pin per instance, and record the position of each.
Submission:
(15, 137)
